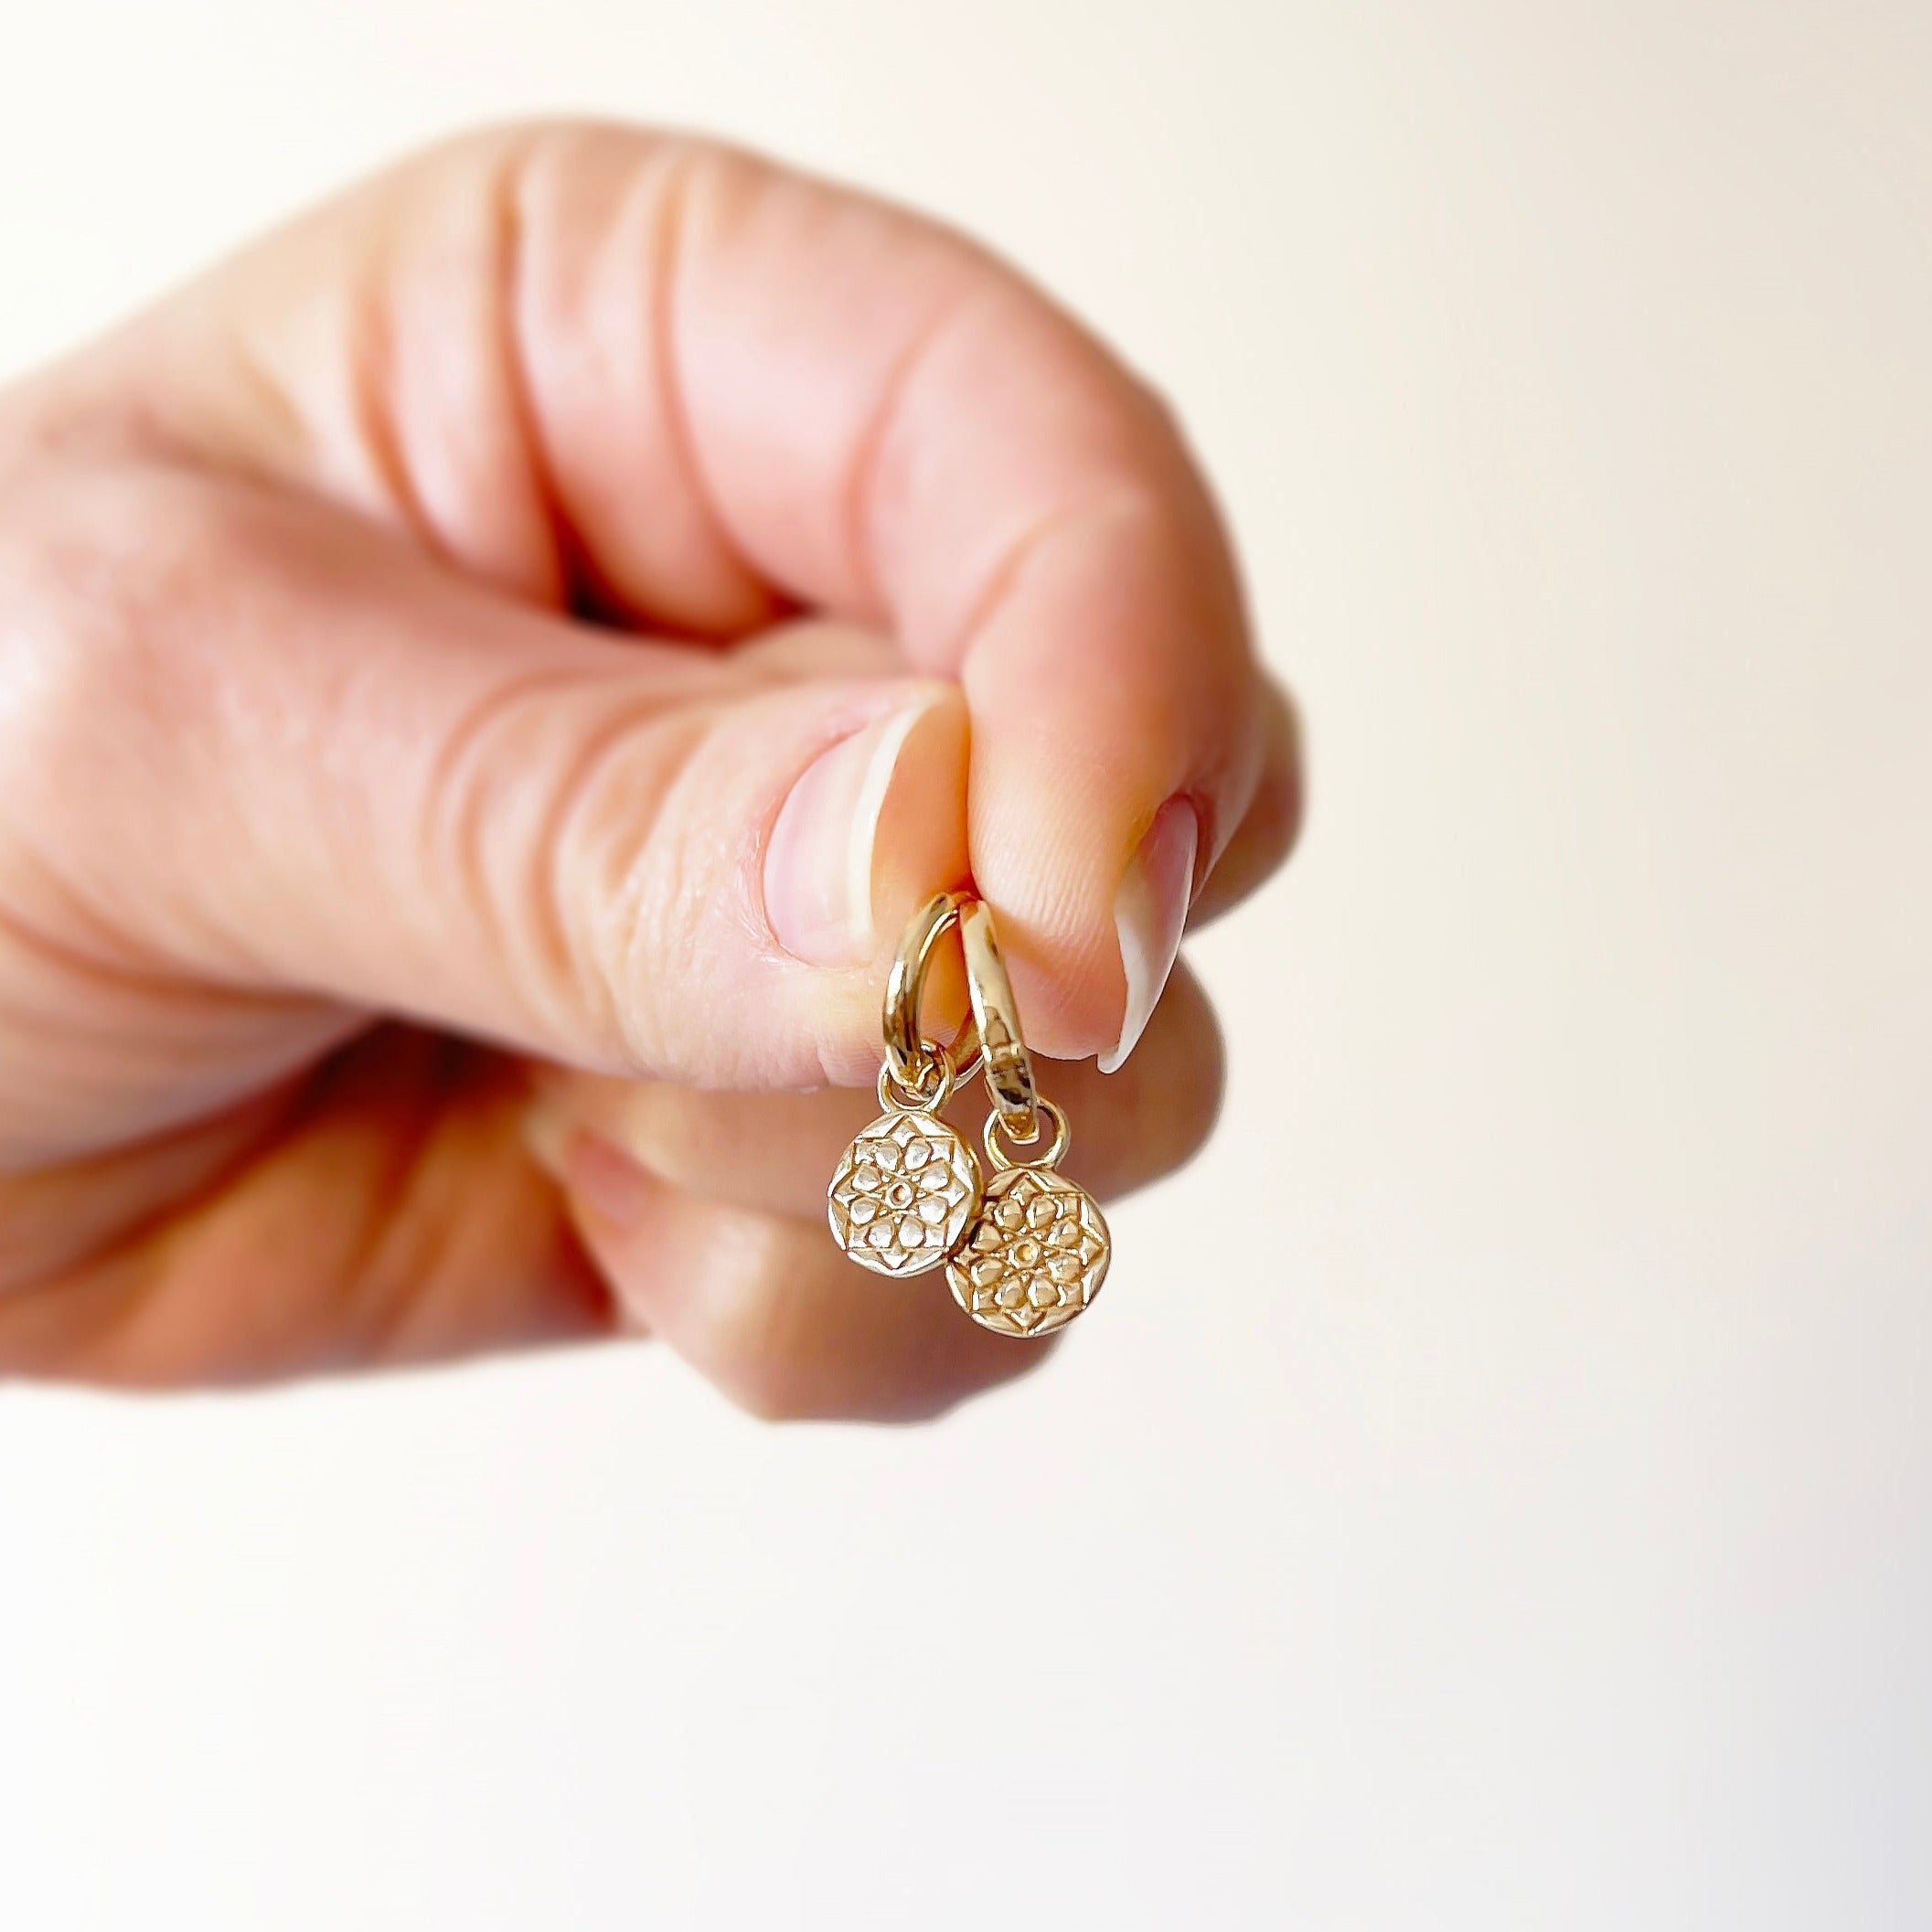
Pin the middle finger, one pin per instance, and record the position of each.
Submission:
(774, 1152)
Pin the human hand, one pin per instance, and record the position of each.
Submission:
(516, 630)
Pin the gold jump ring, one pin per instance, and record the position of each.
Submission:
(1056, 1148)
(928, 1095)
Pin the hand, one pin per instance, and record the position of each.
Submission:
(527, 617)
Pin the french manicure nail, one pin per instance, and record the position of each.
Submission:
(1149, 909)
(818, 864)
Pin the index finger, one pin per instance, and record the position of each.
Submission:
(670, 379)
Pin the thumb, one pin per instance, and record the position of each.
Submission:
(307, 758)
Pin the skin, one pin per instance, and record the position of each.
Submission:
(409, 636)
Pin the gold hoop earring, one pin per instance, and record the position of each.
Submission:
(1025, 1252)
(1037, 1249)
(907, 1188)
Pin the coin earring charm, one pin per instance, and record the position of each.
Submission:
(1037, 1249)
(907, 1188)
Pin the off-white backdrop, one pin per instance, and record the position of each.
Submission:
(1495, 1488)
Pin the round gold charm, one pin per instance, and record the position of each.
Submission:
(903, 1193)
(1037, 1255)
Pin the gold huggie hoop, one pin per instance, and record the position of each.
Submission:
(1025, 1250)
(1008, 1065)
(907, 1052)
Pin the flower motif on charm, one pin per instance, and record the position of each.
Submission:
(1037, 1255)
(903, 1193)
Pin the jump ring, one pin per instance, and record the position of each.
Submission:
(1056, 1150)
(928, 1094)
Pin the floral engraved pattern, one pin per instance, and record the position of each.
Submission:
(1037, 1255)
(903, 1194)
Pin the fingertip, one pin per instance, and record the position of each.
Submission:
(1267, 833)
(1090, 974)
(1118, 731)
(873, 811)
(867, 834)
(920, 846)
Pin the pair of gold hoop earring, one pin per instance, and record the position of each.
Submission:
(1024, 1250)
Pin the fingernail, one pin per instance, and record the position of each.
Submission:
(1149, 909)
(577, 1156)
(546, 1130)
(607, 1177)
(819, 865)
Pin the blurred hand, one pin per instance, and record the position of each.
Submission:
(484, 678)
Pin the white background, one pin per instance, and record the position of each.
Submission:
(1495, 1488)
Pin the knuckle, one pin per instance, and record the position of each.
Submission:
(770, 1394)
(106, 578)
(569, 164)
(765, 1380)
(752, 1346)
(548, 807)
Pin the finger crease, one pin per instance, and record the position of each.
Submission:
(876, 437)
(675, 187)
(370, 356)
(511, 270)
(1003, 580)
